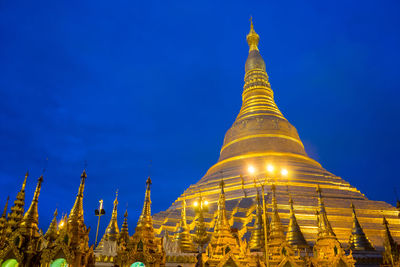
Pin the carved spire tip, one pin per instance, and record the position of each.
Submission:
(252, 38)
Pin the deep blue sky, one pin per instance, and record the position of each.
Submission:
(120, 83)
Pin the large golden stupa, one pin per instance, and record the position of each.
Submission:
(262, 136)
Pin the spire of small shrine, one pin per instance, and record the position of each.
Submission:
(124, 234)
(183, 214)
(222, 239)
(276, 229)
(391, 254)
(76, 214)
(222, 221)
(324, 227)
(183, 236)
(17, 211)
(3, 219)
(24, 183)
(5, 208)
(51, 233)
(144, 239)
(29, 222)
(145, 217)
(358, 239)
(112, 229)
(257, 240)
(294, 236)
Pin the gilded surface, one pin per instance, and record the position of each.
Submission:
(259, 136)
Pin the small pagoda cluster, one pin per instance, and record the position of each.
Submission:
(143, 248)
(66, 242)
(283, 248)
(22, 243)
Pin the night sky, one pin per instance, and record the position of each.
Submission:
(121, 83)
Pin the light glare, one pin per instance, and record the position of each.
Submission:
(195, 203)
(270, 168)
(284, 172)
(206, 202)
(251, 169)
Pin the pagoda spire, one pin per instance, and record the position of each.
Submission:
(222, 221)
(3, 219)
(112, 230)
(17, 211)
(276, 229)
(29, 222)
(222, 239)
(257, 240)
(52, 231)
(76, 214)
(294, 236)
(24, 183)
(183, 214)
(145, 217)
(144, 240)
(183, 236)
(5, 208)
(124, 234)
(391, 254)
(324, 227)
(261, 115)
(358, 239)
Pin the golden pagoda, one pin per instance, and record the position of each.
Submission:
(224, 247)
(17, 211)
(72, 243)
(123, 236)
(52, 232)
(257, 240)
(262, 136)
(106, 251)
(182, 235)
(143, 247)
(327, 250)
(24, 243)
(261, 148)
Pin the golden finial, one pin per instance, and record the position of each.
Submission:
(252, 38)
(145, 217)
(31, 217)
(5, 208)
(24, 183)
(114, 213)
(116, 198)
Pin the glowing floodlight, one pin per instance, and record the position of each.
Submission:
(251, 169)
